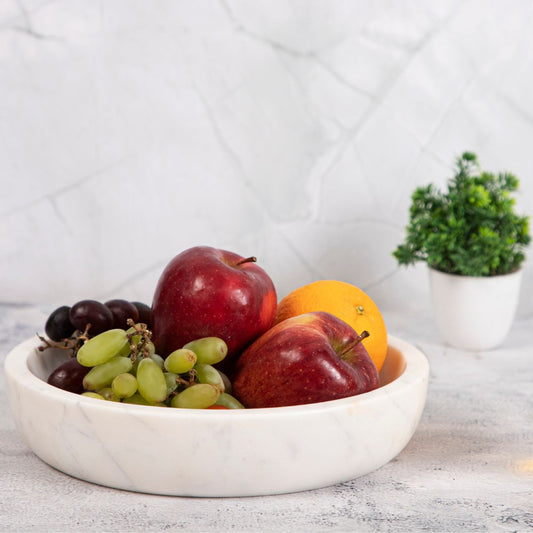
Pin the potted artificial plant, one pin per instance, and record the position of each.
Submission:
(473, 243)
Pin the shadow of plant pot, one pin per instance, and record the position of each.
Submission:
(474, 313)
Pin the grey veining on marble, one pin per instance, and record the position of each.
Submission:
(469, 466)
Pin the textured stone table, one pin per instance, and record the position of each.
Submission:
(469, 466)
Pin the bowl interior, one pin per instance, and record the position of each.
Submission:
(393, 367)
(42, 363)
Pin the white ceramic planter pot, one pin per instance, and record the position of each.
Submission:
(474, 313)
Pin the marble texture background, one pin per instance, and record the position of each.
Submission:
(291, 130)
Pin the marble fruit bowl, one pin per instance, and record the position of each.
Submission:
(214, 453)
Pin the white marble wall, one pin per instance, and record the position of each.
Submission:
(291, 130)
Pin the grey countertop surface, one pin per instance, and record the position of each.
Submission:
(469, 466)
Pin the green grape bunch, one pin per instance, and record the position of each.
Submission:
(471, 229)
(123, 366)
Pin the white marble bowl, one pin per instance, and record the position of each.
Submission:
(190, 452)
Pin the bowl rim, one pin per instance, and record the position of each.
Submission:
(16, 369)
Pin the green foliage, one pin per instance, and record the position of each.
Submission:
(471, 229)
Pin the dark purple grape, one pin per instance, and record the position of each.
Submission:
(58, 326)
(91, 312)
(69, 376)
(145, 313)
(122, 310)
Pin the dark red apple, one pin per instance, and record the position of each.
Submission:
(206, 292)
(309, 358)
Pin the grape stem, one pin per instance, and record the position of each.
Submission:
(73, 343)
(141, 348)
(187, 382)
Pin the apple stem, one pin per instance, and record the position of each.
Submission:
(247, 260)
(357, 340)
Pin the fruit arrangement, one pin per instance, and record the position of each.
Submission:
(216, 337)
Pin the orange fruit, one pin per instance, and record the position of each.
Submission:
(345, 301)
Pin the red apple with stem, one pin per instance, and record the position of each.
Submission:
(309, 358)
(207, 292)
